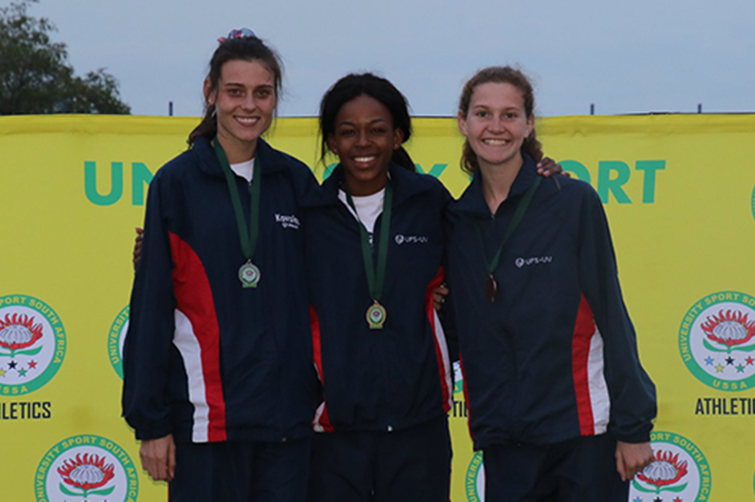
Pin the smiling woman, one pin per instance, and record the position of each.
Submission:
(379, 346)
(214, 317)
(558, 401)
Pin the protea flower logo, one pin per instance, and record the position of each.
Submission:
(115, 340)
(679, 473)
(665, 473)
(717, 340)
(86, 468)
(475, 479)
(32, 344)
(86, 475)
(732, 330)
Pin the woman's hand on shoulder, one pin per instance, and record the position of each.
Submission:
(547, 167)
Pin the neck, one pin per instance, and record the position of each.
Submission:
(237, 151)
(359, 187)
(497, 181)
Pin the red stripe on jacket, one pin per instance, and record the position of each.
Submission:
(321, 419)
(194, 299)
(584, 329)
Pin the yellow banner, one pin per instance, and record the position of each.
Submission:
(679, 192)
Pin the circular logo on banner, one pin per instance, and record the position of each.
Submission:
(115, 340)
(717, 340)
(32, 344)
(89, 468)
(475, 479)
(679, 473)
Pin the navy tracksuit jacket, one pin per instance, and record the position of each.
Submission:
(555, 356)
(204, 358)
(399, 376)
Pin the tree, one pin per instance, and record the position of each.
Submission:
(35, 76)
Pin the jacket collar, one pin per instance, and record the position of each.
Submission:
(406, 185)
(266, 156)
(472, 201)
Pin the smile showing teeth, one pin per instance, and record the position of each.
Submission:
(495, 142)
(364, 159)
(247, 120)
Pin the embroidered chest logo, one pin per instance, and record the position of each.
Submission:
(287, 221)
(411, 239)
(535, 260)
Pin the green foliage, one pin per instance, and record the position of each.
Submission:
(35, 76)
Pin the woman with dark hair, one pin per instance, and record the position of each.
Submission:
(218, 378)
(374, 252)
(558, 401)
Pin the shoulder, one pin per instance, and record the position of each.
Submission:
(574, 191)
(283, 160)
(424, 184)
(178, 167)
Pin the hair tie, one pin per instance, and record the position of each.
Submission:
(239, 33)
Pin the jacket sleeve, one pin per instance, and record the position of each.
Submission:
(632, 393)
(151, 323)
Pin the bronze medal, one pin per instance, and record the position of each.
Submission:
(491, 288)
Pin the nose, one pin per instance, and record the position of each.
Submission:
(250, 103)
(362, 138)
(496, 124)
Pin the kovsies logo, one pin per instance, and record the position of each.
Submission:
(32, 344)
(717, 340)
(115, 339)
(87, 467)
(680, 470)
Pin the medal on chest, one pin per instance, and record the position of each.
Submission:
(249, 273)
(376, 314)
(490, 288)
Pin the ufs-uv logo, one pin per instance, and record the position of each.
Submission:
(32, 344)
(717, 340)
(679, 473)
(87, 467)
(115, 339)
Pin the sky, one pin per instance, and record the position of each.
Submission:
(644, 56)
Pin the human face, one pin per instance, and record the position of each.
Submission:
(496, 125)
(245, 101)
(364, 140)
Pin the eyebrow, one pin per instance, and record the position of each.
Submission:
(348, 122)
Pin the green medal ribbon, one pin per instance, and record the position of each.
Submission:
(249, 273)
(376, 314)
(491, 286)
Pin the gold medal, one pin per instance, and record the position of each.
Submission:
(376, 316)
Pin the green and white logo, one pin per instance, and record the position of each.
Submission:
(458, 379)
(680, 472)
(752, 202)
(717, 340)
(474, 481)
(32, 344)
(115, 339)
(88, 468)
